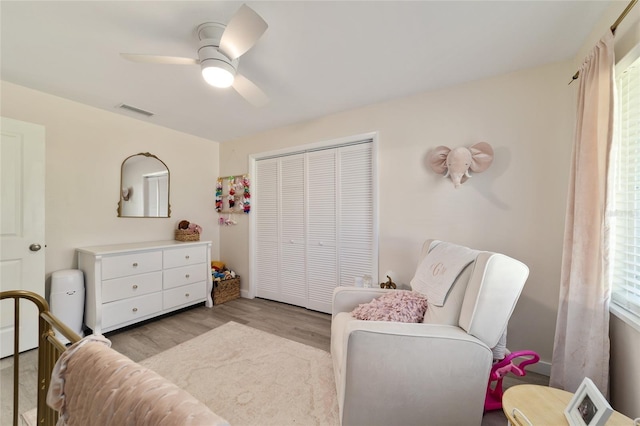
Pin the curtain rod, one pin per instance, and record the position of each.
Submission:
(613, 27)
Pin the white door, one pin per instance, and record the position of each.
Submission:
(322, 228)
(22, 162)
(356, 215)
(267, 229)
(293, 277)
(314, 224)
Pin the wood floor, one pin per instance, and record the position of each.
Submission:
(295, 323)
(144, 340)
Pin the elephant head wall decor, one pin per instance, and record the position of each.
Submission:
(458, 161)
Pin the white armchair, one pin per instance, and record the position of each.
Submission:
(430, 373)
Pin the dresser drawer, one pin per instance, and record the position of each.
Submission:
(132, 309)
(130, 264)
(184, 295)
(186, 275)
(184, 256)
(131, 286)
(126, 283)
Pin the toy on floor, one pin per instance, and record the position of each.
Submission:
(493, 399)
(388, 284)
(220, 272)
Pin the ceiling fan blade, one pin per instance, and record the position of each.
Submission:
(152, 59)
(252, 93)
(242, 32)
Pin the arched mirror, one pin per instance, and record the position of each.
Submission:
(144, 187)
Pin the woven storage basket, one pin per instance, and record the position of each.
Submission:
(186, 235)
(226, 290)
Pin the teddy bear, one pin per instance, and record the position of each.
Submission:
(388, 284)
(194, 228)
(188, 226)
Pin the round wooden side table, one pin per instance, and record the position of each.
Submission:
(543, 405)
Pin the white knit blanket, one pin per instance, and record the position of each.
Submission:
(439, 269)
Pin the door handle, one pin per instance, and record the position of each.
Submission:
(35, 247)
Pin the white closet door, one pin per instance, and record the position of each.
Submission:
(314, 224)
(322, 255)
(356, 213)
(266, 195)
(293, 277)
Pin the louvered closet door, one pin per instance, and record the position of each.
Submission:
(322, 254)
(293, 278)
(267, 244)
(314, 224)
(356, 212)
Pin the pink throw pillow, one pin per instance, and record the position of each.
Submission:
(398, 306)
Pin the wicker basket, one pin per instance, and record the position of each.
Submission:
(186, 235)
(226, 290)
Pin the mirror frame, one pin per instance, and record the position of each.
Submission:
(148, 155)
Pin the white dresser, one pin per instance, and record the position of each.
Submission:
(128, 283)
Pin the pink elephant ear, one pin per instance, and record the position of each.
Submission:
(438, 159)
(481, 157)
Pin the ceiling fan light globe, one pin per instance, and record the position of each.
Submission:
(218, 73)
(217, 77)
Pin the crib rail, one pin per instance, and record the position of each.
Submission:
(49, 349)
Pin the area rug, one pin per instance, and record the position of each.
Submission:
(250, 377)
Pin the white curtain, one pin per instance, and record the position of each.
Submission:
(581, 347)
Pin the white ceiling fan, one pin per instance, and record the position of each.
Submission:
(218, 53)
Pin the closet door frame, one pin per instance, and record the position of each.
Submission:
(328, 144)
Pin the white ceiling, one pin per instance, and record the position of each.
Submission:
(316, 58)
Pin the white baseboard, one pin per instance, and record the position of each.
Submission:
(541, 367)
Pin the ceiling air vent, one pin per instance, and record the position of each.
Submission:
(136, 110)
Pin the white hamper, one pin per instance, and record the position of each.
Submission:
(67, 299)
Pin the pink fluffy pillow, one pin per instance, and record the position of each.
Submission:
(398, 306)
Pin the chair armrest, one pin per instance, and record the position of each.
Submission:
(431, 368)
(346, 299)
(408, 334)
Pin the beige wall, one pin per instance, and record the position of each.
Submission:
(625, 367)
(515, 207)
(85, 147)
(625, 339)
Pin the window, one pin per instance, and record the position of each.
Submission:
(625, 229)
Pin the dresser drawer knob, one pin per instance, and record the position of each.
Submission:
(135, 286)
(186, 276)
(135, 264)
(186, 295)
(187, 257)
(135, 309)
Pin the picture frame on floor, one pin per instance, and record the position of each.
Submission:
(588, 407)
